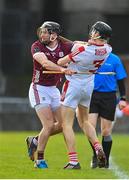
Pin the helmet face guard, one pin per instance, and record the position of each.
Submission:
(104, 30)
(92, 33)
(51, 26)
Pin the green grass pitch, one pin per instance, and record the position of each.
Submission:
(15, 164)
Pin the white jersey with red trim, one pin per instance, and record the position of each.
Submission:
(87, 58)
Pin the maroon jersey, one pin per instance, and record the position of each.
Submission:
(48, 79)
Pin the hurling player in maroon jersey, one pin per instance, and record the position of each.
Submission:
(44, 96)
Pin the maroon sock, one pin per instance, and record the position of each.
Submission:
(40, 155)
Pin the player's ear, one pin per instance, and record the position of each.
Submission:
(53, 37)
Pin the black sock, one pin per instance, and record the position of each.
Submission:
(107, 145)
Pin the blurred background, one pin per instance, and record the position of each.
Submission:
(19, 20)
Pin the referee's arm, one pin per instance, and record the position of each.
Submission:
(122, 91)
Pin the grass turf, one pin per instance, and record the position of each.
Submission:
(14, 163)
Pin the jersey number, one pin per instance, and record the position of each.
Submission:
(97, 64)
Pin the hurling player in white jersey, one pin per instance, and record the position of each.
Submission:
(85, 57)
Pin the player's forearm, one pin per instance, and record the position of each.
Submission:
(42, 59)
(52, 66)
(63, 61)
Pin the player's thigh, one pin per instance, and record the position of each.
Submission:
(45, 115)
(92, 118)
(58, 115)
(81, 114)
(68, 114)
(106, 127)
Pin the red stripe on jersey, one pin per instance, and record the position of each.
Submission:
(36, 95)
(71, 57)
(76, 52)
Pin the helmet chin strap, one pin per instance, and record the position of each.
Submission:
(98, 37)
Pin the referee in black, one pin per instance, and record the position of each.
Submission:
(103, 101)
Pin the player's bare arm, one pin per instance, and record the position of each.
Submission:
(63, 61)
(41, 58)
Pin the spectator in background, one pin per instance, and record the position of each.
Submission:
(103, 102)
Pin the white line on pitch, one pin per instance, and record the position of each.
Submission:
(117, 170)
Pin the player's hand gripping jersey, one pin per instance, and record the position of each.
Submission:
(87, 58)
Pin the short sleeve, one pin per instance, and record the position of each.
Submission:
(34, 49)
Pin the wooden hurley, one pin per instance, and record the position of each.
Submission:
(59, 72)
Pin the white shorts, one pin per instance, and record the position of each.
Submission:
(78, 94)
(44, 96)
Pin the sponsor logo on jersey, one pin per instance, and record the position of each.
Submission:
(107, 64)
(61, 54)
(47, 53)
(100, 52)
(53, 53)
(36, 49)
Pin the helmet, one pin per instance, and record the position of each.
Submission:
(51, 27)
(104, 30)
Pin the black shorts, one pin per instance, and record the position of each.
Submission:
(103, 103)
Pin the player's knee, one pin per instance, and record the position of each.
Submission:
(59, 126)
(49, 128)
(106, 132)
(81, 125)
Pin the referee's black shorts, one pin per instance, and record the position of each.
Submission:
(103, 103)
